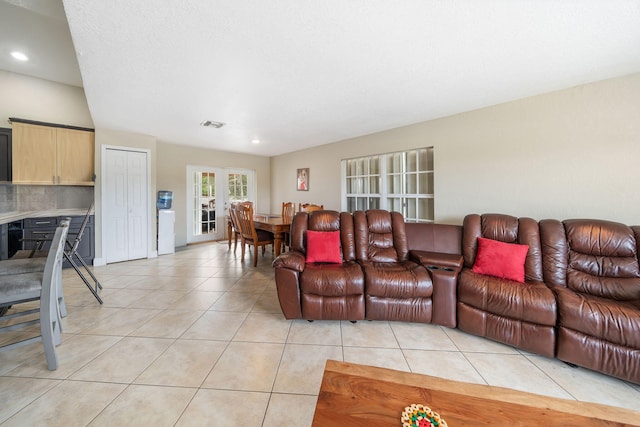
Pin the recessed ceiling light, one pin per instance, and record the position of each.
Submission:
(255, 141)
(211, 123)
(19, 56)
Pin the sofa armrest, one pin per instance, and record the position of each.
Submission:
(291, 260)
(437, 259)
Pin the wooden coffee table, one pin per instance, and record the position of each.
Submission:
(358, 395)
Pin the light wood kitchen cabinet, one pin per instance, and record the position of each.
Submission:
(75, 157)
(52, 155)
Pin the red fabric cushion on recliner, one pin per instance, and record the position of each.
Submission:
(500, 259)
(323, 246)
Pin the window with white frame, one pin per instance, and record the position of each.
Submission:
(401, 181)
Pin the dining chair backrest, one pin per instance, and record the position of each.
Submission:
(310, 207)
(288, 210)
(249, 234)
(78, 236)
(244, 217)
(232, 217)
(233, 214)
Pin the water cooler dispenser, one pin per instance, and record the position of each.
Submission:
(166, 223)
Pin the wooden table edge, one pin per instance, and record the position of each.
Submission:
(483, 391)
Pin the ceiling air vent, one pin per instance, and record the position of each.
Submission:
(212, 124)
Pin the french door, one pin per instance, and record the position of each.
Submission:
(209, 193)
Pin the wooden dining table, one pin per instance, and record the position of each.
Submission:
(274, 224)
(268, 222)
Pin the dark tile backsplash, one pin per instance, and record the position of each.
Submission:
(43, 197)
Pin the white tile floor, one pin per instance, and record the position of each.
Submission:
(197, 338)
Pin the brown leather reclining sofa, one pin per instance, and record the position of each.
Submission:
(578, 300)
(593, 269)
(375, 277)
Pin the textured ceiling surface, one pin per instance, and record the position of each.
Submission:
(296, 74)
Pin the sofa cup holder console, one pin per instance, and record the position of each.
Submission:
(444, 269)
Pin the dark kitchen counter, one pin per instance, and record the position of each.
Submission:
(7, 217)
(8, 230)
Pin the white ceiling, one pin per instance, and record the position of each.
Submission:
(39, 29)
(297, 74)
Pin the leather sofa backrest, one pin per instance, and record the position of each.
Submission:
(441, 238)
(380, 236)
(324, 221)
(593, 257)
(504, 228)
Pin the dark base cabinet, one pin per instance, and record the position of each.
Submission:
(44, 228)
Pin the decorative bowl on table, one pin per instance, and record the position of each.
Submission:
(417, 415)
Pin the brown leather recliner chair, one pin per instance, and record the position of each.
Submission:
(396, 287)
(593, 268)
(519, 314)
(316, 291)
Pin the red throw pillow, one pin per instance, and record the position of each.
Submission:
(323, 246)
(500, 259)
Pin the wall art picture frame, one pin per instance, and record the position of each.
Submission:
(303, 179)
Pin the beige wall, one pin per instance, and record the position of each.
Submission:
(168, 171)
(172, 175)
(36, 99)
(566, 154)
(571, 153)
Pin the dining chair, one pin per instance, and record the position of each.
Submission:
(70, 253)
(37, 264)
(249, 234)
(22, 287)
(235, 229)
(310, 207)
(288, 210)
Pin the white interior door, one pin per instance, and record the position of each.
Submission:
(137, 204)
(125, 206)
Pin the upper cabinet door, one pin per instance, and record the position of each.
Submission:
(33, 154)
(52, 155)
(75, 157)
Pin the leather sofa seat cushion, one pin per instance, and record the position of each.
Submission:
(531, 302)
(332, 279)
(397, 280)
(613, 321)
(332, 291)
(418, 310)
(399, 291)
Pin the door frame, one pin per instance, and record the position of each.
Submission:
(222, 202)
(151, 206)
(219, 234)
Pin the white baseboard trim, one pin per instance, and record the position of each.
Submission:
(98, 262)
